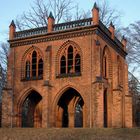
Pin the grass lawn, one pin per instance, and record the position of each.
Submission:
(69, 134)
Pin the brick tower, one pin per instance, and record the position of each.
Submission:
(71, 74)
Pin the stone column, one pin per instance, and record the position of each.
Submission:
(71, 112)
(59, 116)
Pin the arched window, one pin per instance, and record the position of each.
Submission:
(33, 68)
(27, 71)
(63, 65)
(106, 63)
(77, 63)
(119, 71)
(34, 64)
(40, 68)
(70, 59)
(104, 66)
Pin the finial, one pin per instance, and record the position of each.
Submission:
(111, 24)
(95, 6)
(124, 42)
(51, 15)
(12, 24)
(123, 37)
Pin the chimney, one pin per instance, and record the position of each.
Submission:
(112, 30)
(95, 14)
(124, 42)
(51, 22)
(12, 30)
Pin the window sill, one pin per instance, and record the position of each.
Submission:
(68, 75)
(32, 79)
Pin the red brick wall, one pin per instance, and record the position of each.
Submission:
(87, 84)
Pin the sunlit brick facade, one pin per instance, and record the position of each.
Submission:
(71, 74)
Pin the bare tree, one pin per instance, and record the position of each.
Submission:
(134, 89)
(62, 11)
(108, 14)
(81, 14)
(132, 33)
(4, 51)
(38, 14)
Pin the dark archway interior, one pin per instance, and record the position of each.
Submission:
(105, 108)
(30, 110)
(67, 102)
(79, 113)
(137, 115)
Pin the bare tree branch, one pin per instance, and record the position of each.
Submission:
(108, 14)
(38, 14)
(62, 10)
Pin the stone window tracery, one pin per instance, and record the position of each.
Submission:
(33, 66)
(69, 60)
(63, 65)
(106, 64)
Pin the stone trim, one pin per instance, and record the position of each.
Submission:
(66, 34)
(58, 35)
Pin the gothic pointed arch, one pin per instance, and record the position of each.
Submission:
(119, 71)
(30, 107)
(32, 64)
(106, 63)
(69, 109)
(69, 59)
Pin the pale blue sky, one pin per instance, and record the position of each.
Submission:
(9, 9)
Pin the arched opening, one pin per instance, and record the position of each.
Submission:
(32, 111)
(34, 64)
(77, 63)
(105, 67)
(106, 64)
(136, 110)
(70, 109)
(40, 69)
(70, 59)
(105, 108)
(79, 113)
(63, 65)
(27, 70)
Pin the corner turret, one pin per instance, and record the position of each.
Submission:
(112, 30)
(12, 30)
(51, 22)
(95, 14)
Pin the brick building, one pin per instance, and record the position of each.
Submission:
(71, 74)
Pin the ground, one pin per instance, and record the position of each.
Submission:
(69, 134)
